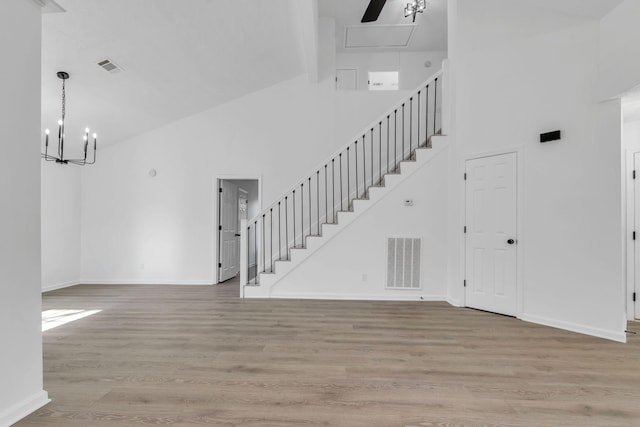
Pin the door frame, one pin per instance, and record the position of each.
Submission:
(629, 226)
(519, 152)
(215, 274)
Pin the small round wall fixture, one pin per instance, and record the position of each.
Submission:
(427, 64)
(59, 158)
(153, 173)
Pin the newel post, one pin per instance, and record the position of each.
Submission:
(244, 256)
(447, 93)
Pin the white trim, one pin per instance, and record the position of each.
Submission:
(628, 228)
(147, 282)
(454, 302)
(23, 408)
(519, 151)
(361, 297)
(573, 327)
(60, 286)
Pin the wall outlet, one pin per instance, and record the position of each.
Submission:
(364, 277)
(142, 266)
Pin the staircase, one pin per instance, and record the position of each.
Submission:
(347, 184)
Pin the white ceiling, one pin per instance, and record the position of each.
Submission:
(180, 57)
(589, 9)
(430, 33)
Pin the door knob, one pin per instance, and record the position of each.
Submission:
(511, 241)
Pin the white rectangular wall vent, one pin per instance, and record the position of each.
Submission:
(110, 66)
(403, 263)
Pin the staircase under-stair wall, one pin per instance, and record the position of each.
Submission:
(367, 223)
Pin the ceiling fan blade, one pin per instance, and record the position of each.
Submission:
(373, 10)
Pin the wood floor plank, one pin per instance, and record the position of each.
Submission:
(182, 356)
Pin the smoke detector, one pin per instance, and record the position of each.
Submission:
(110, 66)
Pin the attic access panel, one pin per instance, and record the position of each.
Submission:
(378, 36)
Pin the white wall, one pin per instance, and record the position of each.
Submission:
(631, 135)
(20, 307)
(141, 230)
(619, 50)
(353, 264)
(60, 225)
(520, 71)
(410, 65)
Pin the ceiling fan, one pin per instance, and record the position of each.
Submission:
(375, 7)
(373, 10)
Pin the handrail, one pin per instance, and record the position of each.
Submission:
(342, 149)
(304, 208)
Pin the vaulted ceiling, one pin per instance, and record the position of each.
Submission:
(178, 58)
(431, 26)
(181, 57)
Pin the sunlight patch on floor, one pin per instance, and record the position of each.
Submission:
(54, 318)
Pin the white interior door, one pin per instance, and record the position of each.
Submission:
(491, 225)
(346, 79)
(636, 227)
(229, 262)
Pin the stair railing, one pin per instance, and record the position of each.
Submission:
(344, 177)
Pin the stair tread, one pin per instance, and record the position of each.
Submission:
(367, 196)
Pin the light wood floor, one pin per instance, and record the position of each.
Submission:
(192, 356)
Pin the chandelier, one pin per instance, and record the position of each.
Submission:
(61, 135)
(415, 7)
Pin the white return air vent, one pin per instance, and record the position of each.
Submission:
(403, 263)
(110, 66)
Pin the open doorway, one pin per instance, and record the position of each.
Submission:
(238, 199)
(631, 150)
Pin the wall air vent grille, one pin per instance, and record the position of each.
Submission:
(403, 263)
(110, 66)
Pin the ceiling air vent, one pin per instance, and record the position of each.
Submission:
(110, 66)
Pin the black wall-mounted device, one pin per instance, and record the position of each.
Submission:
(550, 136)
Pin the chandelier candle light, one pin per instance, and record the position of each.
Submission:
(415, 7)
(60, 159)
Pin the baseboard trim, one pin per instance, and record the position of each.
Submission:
(573, 327)
(21, 409)
(60, 286)
(454, 303)
(360, 297)
(148, 282)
